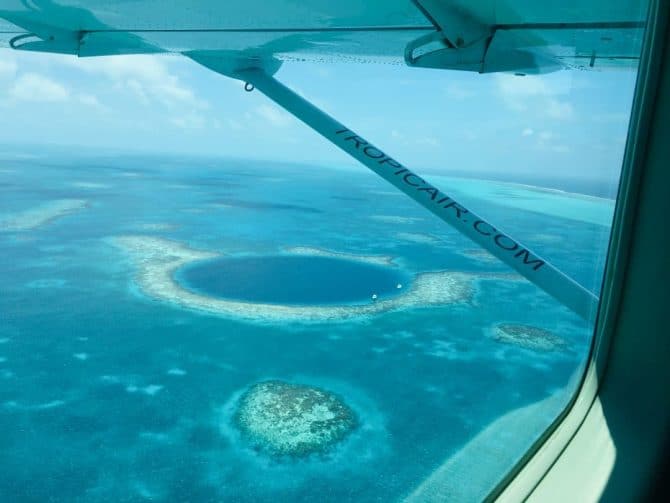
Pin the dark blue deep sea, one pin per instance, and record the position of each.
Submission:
(292, 280)
(109, 394)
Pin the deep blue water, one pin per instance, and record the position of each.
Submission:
(292, 280)
(107, 394)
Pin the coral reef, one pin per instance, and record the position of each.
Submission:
(286, 419)
(528, 337)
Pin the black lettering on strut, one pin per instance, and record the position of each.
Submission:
(378, 153)
(391, 162)
(408, 176)
(538, 262)
(431, 190)
(480, 226)
(511, 245)
(457, 208)
(477, 224)
(358, 140)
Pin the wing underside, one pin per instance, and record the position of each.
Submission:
(484, 36)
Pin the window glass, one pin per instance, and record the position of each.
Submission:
(204, 300)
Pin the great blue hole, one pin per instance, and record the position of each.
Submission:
(292, 280)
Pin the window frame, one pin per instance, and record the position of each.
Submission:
(526, 476)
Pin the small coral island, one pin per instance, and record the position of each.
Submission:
(528, 337)
(285, 419)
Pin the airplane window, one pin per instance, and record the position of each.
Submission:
(203, 299)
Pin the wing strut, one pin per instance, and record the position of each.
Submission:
(528, 264)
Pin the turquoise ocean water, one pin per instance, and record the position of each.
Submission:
(108, 394)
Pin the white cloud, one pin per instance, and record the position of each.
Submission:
(90, 100)
(529, 85)
(189, 121)
(36, 87)
(147, 77)
(136, 88)
(459, 92)
(314, 100)
(324, 72)
(559, 110)
(537, 93)
(234, 124)
(527, 132)
(7, 68)
(550, 141)
(428, 141)
(273, 115)
(415, 139)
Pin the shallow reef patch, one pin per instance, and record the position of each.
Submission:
(321, 252)
(528, 337)
(90, 185)
(395, 219)
(156, 227)
(40, 215)
(481, 255)
(417, 237)
(47, 283)
(286, 419)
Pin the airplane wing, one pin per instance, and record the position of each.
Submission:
(519, 36)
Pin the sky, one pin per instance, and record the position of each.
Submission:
(563, 124)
